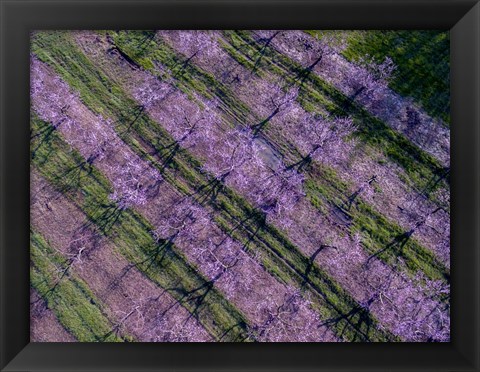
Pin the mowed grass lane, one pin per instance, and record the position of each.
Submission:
(69, 297)
(422, 59)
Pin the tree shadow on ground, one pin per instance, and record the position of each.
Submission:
(71, 178)
(45, 135)
(257, 128)
(302, 164)
(209, 191)
(311, 263)
(261, 52)
(357, 319)
(397, 244)
(131, 117)
(106, 216)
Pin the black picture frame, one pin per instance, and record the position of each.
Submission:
(19, 17)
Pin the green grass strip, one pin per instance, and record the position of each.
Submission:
(69, 297)
(422, 58)
(131, 233)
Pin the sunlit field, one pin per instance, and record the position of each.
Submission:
(240, 186)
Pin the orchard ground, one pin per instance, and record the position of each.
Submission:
(273, 186)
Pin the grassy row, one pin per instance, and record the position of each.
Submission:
(377, 232)
(131, 233)
(145, 134)
(69, 297)
(321, 178)
(418, 165)
(422, 59)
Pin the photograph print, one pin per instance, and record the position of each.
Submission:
(240, 186)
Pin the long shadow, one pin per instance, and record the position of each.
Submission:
(311, 262)
(242, 325)
(256, 218)
(109, 216)
(263, 50)
(304, 162)
(397, 243)
(137, 112)
(303, 75)
(257, 128)
(65, 273)
(184, 64)
(197, 297)
(46, 130)
(168, 154)
(71, 178)
(351, 199)
(165, 153)
(46, 134)
(348, 318)
(208, 192)
(439, 175)
(372, 130)
(158, 254)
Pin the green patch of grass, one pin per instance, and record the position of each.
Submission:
(69, 297)
(422, 58)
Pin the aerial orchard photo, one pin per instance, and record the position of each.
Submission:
(240, 186)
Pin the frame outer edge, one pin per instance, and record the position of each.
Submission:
(3, 197)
